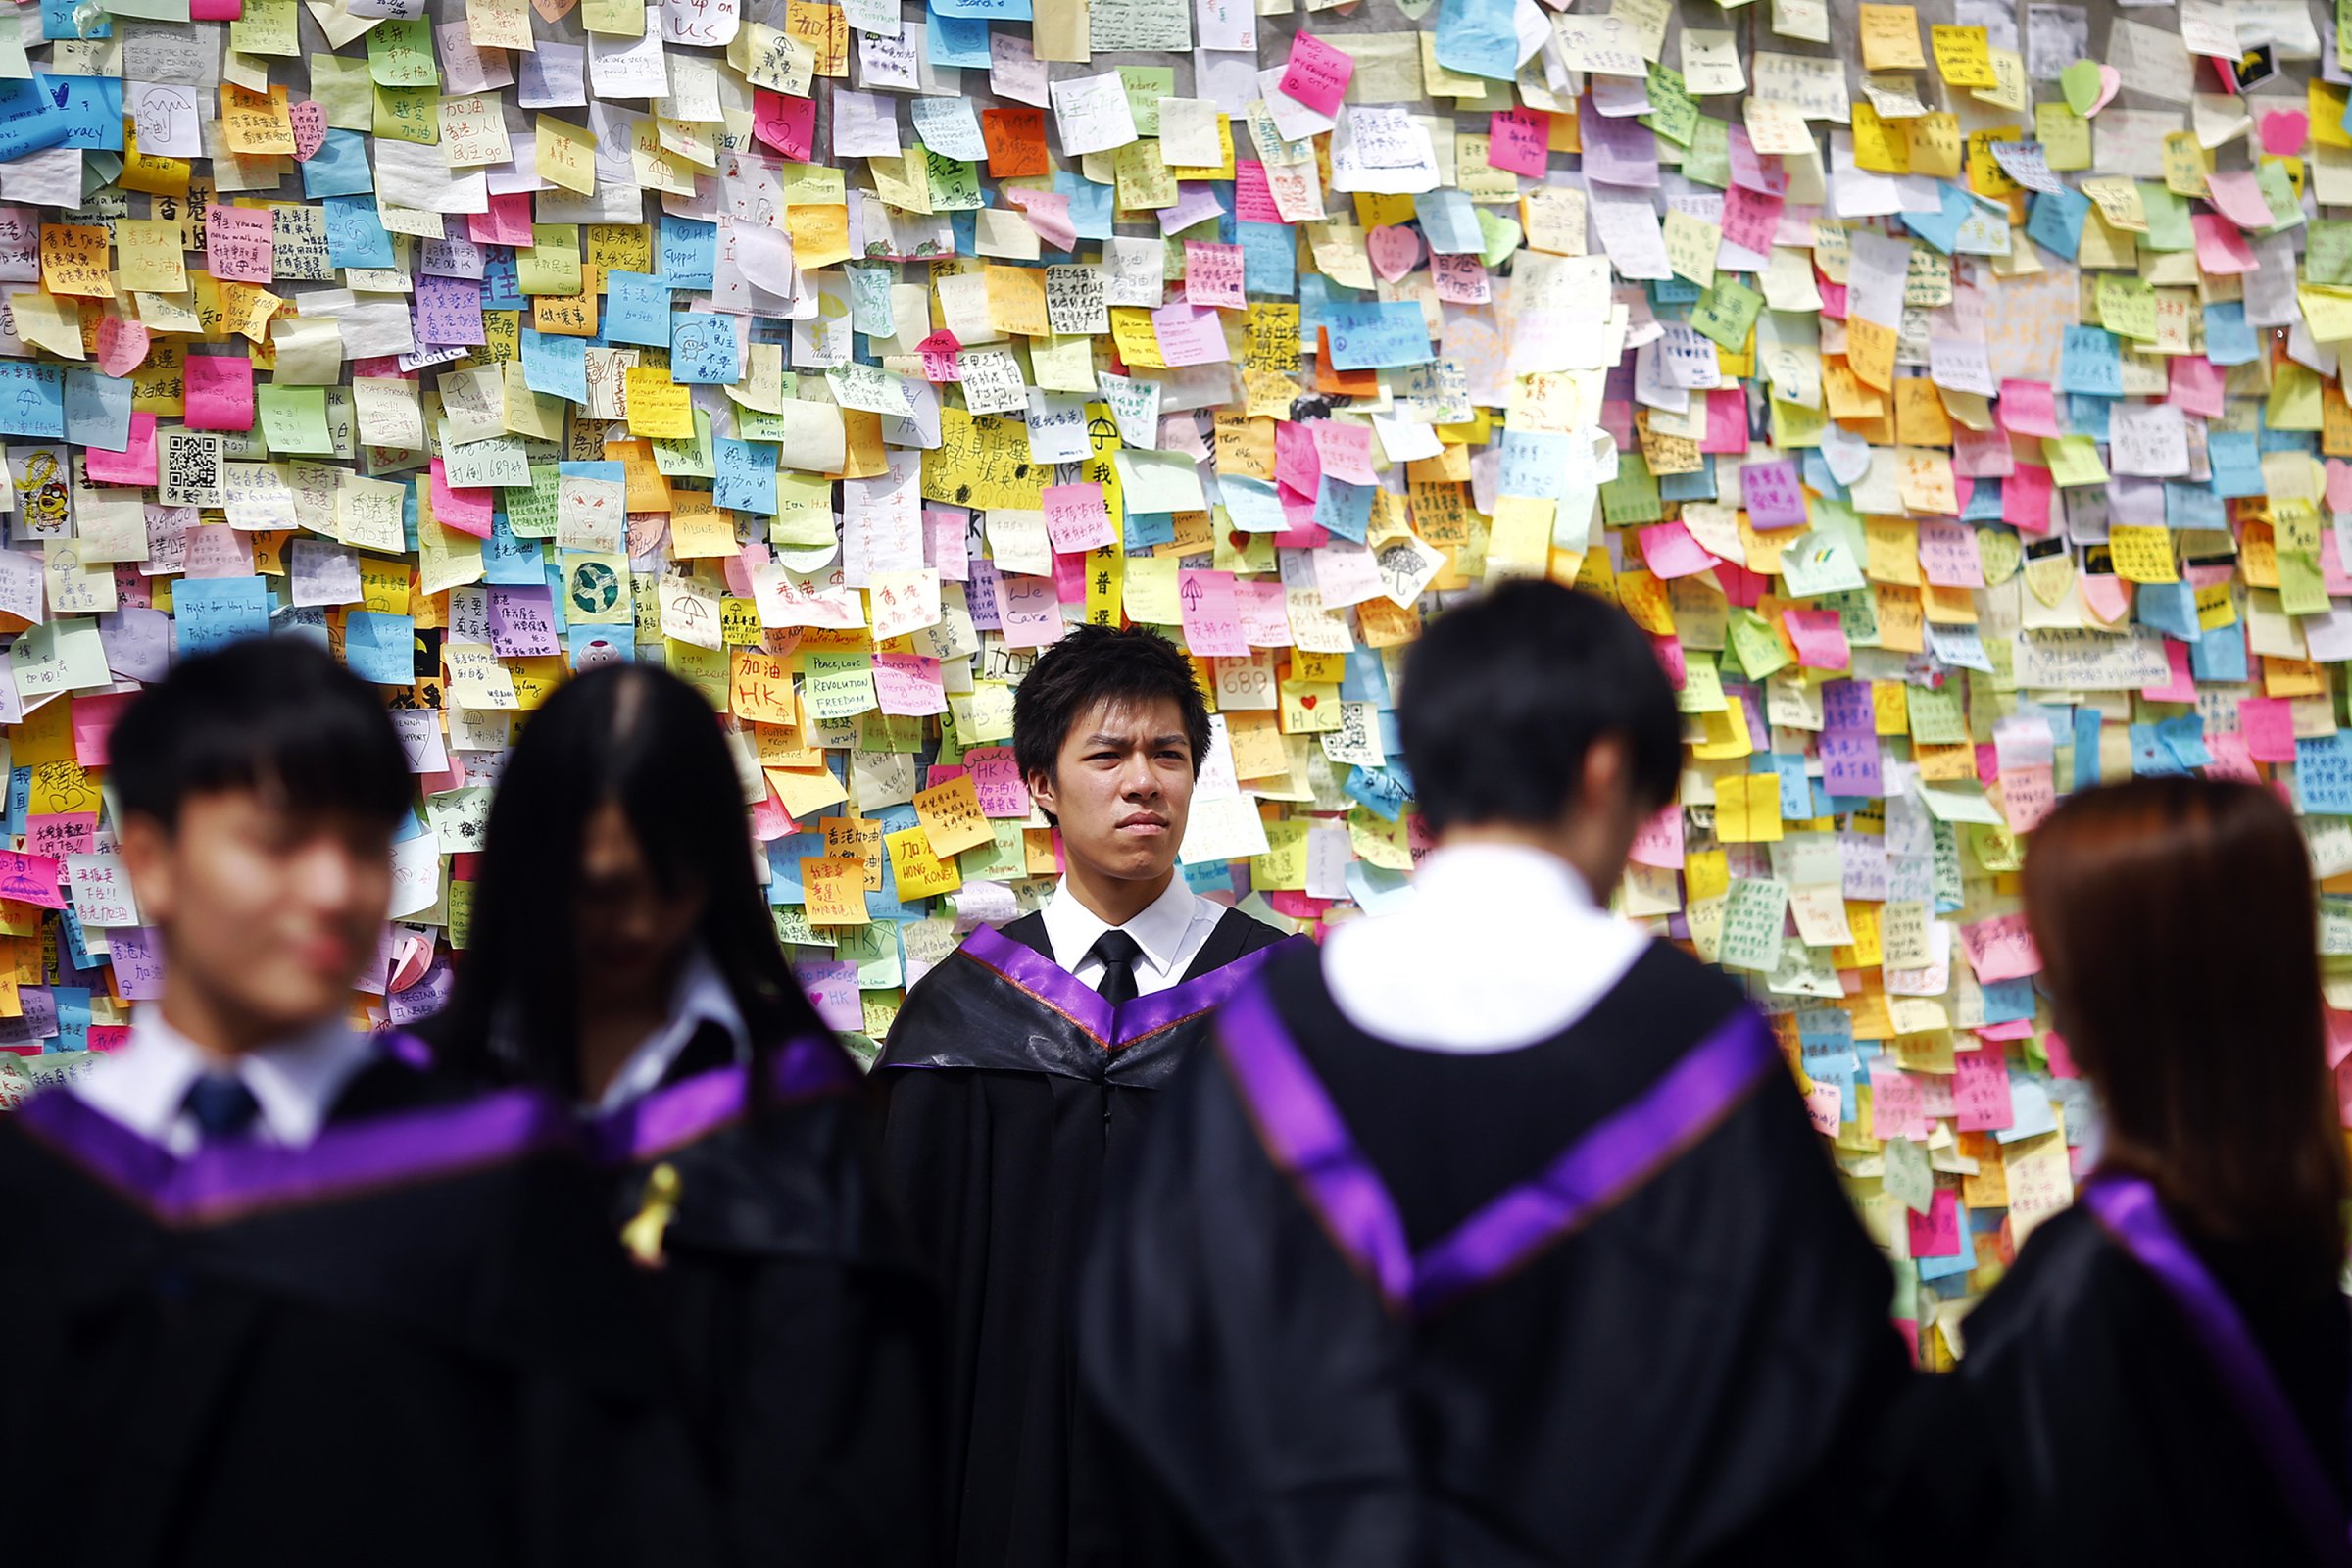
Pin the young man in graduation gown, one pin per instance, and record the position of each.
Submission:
(1494, 1231)
(1023, 1065)
(290, 1298)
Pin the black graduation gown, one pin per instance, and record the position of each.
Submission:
(1012, 1086)
(2110, 1435)
(803, 1324)
(1338, 1318)
(408, 1343)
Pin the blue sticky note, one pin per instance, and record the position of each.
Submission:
(1941, 227)
(2087, 748)
(637, 309)
(2227, 338)
(1146, 531)
(984, 9)
(1382, 791)
(354, 233)
(747, 474)
(2193, 506)
(1376, 335)
(1984, 502)
(215, 611)
(1342, 508)
(98, 410)
(339, 167)
(510, 561)
(701, 348)
(2183, 738)
(2171, 608)
(1090, 204)
(380, 648)
(1534, 464)
(1696, 485)
(554, 366)
(2324, 773)
(502, 279)
(2219, 654)
(956, 41)
(1269, 258)
(784, 857)
(2088, 362)
(30, 118)
(32, 399)
(2087, 415)
(2236, 457)
(1365, 679)
(93, 110)
(689, 251)
(57, 21)
(2056, 221)
(1479, 38)
(1449, 222)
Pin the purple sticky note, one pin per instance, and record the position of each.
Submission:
(449, 312)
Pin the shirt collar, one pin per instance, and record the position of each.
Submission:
(701, 997)
(295, 1080)
(1073, 929)
(1517, 873)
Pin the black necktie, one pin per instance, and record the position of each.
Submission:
(222, 1106)
(1118, 951)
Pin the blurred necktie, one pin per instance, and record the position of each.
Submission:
(222, 1106)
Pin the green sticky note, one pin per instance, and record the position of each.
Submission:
(293, 419)
(2128, 306)
(1146, 86)
(341, 87)
(531, 511)
(1673, 114)
(1498, 238)
(408, 114)
(1936, 719)
(1633, 496)
(1726, 313)
(1752, 914)
(552, 266)
(2167, 212)
(688, 459)
(2073, 459)
(1908, 1177)
(400, 54)
(2080, 84)
(1758, 651)
(1708, 159)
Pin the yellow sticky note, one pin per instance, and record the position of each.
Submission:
(834, 887)
(566, 154)
(660, 408)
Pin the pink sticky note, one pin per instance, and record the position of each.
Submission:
(506, 222)
(2230, 759)
(1212, 274)
(1317, 74)
(2339, 485)
(94, 720)
(2183, 686)
(1936, 1233)
(1820, 638)
(2220, 248)
(996, 777)
(1727, 421)
(216, 10)
(2239, 198)
(1078, 517)
(832, 988)
(785, 122)
(1344, 451)
(134, 464)
(2196, 385)
(2000, 948)
(2026, 498)
(2026, 409)
(1253, 197)
(1750, 218)
(1670, 552)
(1049, 215)
(31, 879)
(1761, 172)
(1393, 249)
(122, 346)
(1980, 454)
(1519, 140)
(237, 244)
(1212, 618)
(1896, 1108)
(464, 508)
(1659, 842)
(2269, 726)
(1773, 495)
(909, 684)
(1189, 335)
(219, 392)
(1028, 611)
(1981, 1090)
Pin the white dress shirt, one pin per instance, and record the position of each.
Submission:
(295, 1081)
(1172, 929)
(701, 997)
(1500, 946)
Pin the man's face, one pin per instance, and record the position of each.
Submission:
(1123, 787)
(268, 913)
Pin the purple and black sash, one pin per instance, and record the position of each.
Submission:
(999, 1004)
(2127, 1209)
(1307, 1141)
(803, 1067)
(225, 1182)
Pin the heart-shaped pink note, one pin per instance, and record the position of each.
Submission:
(1393, 250)
(2111, 82)
(310, 128)
(2339, 485)
(2284, 131)
(122, 345)
(2106, 598)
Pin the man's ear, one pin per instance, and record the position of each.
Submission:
(1041, 790)
(145, 846)
(1608, 772)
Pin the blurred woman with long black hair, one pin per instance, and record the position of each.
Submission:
(621, 955)
(2164, 1376)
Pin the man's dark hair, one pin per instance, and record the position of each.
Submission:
(1504, 696)
(272, 714)
(1101, 665)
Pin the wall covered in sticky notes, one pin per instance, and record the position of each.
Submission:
(1952, 392)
